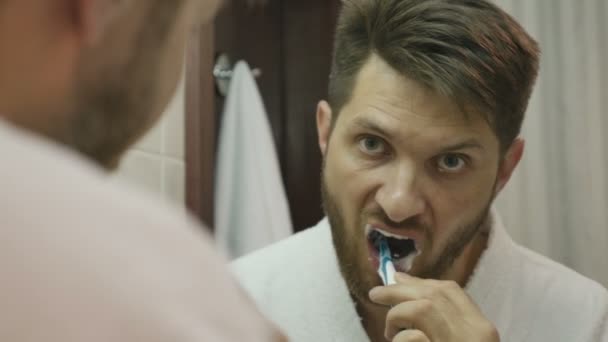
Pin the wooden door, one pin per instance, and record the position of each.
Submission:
(200, 123)
(291, 42)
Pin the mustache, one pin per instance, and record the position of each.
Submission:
(411, 223)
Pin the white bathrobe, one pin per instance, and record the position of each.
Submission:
(528, 297)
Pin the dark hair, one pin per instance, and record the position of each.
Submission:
(468, 50)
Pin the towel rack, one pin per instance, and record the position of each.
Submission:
(222, 72)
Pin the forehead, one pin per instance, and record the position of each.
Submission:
(405, 108)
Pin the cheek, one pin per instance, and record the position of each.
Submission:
(349, 183)
(454, 203)
(172, 63)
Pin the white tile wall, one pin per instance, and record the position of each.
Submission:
(174, 127)
(143, 169)
(174, 180)
(156, 163)
(153, 141)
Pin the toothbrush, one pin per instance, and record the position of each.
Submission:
(386, 268)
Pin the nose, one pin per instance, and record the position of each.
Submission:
(399, 195)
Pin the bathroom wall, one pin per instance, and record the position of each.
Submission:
(156, 163)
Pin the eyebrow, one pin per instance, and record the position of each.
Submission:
(467, 144)
(372, 126)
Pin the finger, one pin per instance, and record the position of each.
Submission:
(411, 288)
(433, 289)
(398, 293)
(421, 314)
(404, 278)
(411, 336)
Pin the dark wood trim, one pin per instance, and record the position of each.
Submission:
(307, 44)
(200, 124)
(290, 41)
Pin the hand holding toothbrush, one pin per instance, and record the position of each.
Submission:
(431, 310)
(437, 310)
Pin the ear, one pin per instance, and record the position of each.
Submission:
(84, 19)
(509, 163)
(324, 117)
(91, 18)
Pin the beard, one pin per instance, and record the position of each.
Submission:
(114, 104)
(351, 249)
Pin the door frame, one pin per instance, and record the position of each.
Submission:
(200, 124)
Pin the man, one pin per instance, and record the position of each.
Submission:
(81, 258)
(420, 134)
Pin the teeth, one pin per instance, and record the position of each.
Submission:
(405, 263)
(394, 236)
(369, 229)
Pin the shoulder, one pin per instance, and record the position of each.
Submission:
(80, 240)
(295, 250)
(561, 283)
(534, 278)
(285, 264)
(302, 272)
(62, 187)
(562, 295)
(60, 203)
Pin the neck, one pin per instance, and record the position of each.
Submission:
(373, 319)
(374, 316)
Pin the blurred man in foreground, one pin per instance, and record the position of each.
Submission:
(81, 258)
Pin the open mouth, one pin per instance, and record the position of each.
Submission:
(403, 249)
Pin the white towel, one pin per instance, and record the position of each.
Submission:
(251, 209)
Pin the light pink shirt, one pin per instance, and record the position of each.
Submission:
(85, 259)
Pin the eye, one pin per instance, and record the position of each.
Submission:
(372, 145)
(451, 163)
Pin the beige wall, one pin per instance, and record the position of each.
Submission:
(556, 201)
(156, 163)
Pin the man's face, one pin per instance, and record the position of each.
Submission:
(124, 83)
(404, 162)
